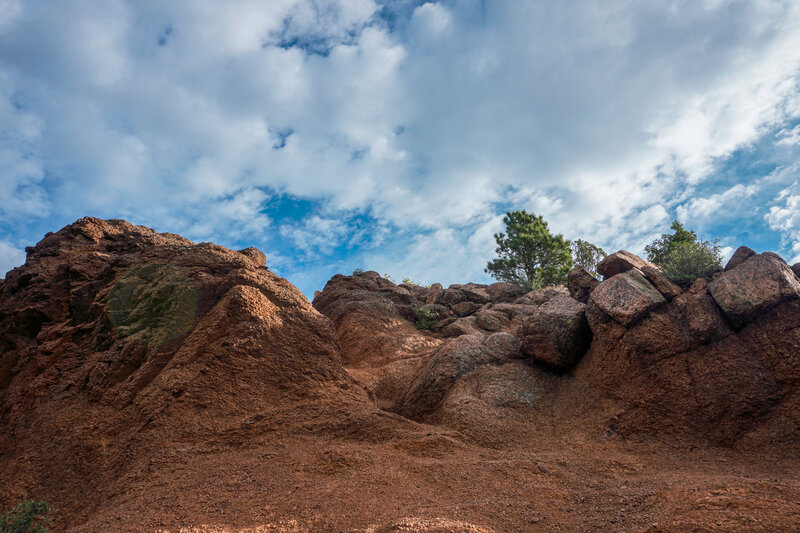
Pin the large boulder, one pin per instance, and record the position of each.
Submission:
(540, 296)
(504, 292)
(757, 284)
(452, 361)
(742, 254)
(796, 269)
(463, 309)
(626, 297)
(624, 261)
(490, 320)
(581, 283)
(618, 263)
(557, 334)
(473, 292)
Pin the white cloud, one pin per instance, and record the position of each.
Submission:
(699, 209)
(784, 217)
(181, 114)
(10, 257)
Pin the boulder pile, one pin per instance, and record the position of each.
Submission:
(696, 362)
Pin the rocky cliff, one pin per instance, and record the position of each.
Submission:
(148, 383)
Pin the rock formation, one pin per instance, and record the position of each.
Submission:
(148, 383)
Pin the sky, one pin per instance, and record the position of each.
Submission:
(393, 135)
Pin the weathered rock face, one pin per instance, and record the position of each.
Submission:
(796, 269)
(452, 361)
(557, 334)
(753, 286)
(651, 351)
(679, 366)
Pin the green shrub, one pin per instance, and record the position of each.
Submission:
(424, 317)
(688, 261)
(358, 271)
(27, 517)
(408, 281)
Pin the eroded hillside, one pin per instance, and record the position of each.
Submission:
(148, 383)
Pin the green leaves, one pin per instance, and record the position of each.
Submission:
(683, 257)
(587, 255)
(529, 255)
(27, 517)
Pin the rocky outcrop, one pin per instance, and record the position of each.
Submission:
(752, 287)
(742, 254)
(148, 383)
(796, 269)
(639, 341)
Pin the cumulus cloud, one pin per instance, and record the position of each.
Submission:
(427, 119)
(784, 217)
(10, 257)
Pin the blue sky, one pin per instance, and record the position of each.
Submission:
(392, 136)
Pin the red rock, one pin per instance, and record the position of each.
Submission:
(558, 333)
(453, 360)
(626, 297)
(473, 292)
(504, 292)
(465, 308)
(540, 296)
(581, 283)
(255, 255)
(461, 326)
(796, 269)
(624, 261)
(490, 320)
(754, 286)
(618, 263)
(742, 254)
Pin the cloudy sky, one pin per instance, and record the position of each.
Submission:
(393, 135)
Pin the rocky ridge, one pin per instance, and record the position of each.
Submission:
(148, 383)
(694, 362)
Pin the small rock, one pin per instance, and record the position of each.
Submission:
(451, 296)
(255, 255)
(473, 292)
(660, 281)
(490, 320)
(742, 254)
(460, 326)
(465, 308)
(581, 283)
